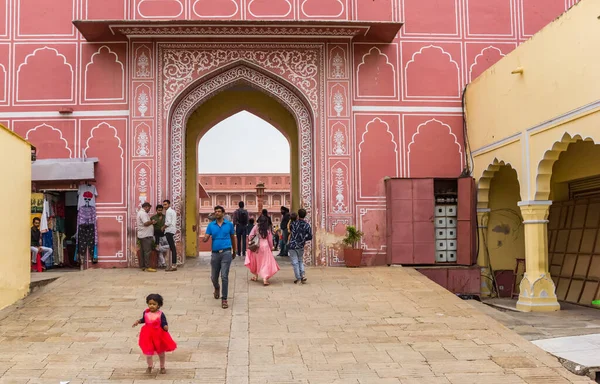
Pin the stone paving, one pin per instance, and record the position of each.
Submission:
(571, 320)
(360, 326)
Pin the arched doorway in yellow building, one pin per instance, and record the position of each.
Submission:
(240, 97)
(501, 232)
(573, 186)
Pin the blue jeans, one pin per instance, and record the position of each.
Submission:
(297, 258)
(220, 263)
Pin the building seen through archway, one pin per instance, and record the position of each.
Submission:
(228, 158)
(235, 158)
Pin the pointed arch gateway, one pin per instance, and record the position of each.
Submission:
(205, 88)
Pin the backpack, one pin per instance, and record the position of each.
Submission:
(242, 217)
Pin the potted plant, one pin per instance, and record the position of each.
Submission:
(352, 254)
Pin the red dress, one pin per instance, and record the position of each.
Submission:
(153, 338)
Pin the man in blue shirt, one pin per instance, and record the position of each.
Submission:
(222, 233)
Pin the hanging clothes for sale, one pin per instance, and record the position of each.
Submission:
(87, 230)
(44, 218)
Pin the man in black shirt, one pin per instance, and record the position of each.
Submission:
(36, 243)
(285, 219)
(240, 220)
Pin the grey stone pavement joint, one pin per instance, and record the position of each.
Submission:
(360, 326)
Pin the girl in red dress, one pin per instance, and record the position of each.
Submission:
(155, 337)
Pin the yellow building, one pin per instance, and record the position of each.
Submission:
(533, 122)
(15, 171)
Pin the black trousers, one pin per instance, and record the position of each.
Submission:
(85, 241)
(157, 235)
(240, 231)
(171, 240)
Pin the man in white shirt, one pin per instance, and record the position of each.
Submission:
(145, 234)
(170, 229)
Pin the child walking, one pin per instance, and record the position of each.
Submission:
(154, 336)
(300, 233)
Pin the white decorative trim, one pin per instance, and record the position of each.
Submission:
(161, 16)
(412, 141)
(209, 88)
(91, 62)
(43, 36)
(5, 75)
(570, 115)
(324, 16)
(180, 65)
(226, 31)
(387, 63)
(143, 63)
(32, 114)
(341, 185)
(193, 9)
(534, 202)
(484, 210)
(413, 60)
(65, 61)
(405, 32)
(467, 16)
(536, 221)
(379, 108)
(481, 53)
(264, 16)
(120, 256)
(54, 129)
(358, 154)
(497, 144)
(123, 158)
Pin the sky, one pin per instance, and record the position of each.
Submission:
(243, 143)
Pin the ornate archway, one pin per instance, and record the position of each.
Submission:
(485, 182)
(202, 90)
(544, 172)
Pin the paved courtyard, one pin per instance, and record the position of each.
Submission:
(372, 325)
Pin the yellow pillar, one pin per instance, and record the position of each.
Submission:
(538, 292)
(483, 216)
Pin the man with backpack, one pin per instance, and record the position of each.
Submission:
(240, 220)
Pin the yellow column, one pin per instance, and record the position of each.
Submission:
(538, 293)
(483, 216)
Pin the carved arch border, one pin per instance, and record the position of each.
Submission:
(544, 168)
(485, 182)
(201, 91)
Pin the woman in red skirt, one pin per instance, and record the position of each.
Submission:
(155, 337)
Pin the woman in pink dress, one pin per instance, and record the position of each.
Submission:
(261, 262)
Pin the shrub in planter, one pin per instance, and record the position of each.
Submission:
(352, 254)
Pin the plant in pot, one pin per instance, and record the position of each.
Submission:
(352, 254)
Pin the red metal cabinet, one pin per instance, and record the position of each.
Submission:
(411, 205)
(410, 231)
(466, 222)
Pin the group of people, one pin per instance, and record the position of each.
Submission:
(254, 240)
(239, 237)
(157, 232)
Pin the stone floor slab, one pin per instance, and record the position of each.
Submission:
(366, 325)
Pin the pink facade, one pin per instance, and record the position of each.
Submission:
(369, 103)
